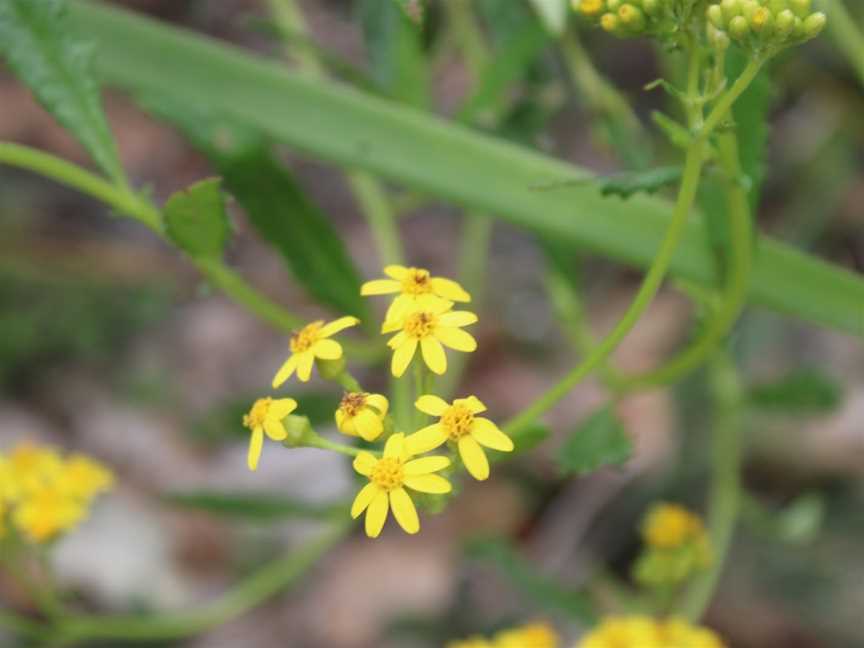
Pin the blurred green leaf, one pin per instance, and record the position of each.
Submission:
(804, 390)
(599, 441)
(546, 593)
(394, 44)
(526, 440)
(195, 219)
(259, 507)
(631, 182)
(40, 50)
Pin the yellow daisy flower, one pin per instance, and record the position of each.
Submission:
(430, 327)
(472, 642)
(44, 514)
(266, 417)
(311, 342)
(31, 467)
(535, 635)
(645, 632)
(412, 284)
(84, 478)
(361, 414)
(388, 478)
(459, 424)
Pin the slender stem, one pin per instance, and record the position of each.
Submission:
(728, 98)
(735, 294)
(326, 444)
(380, 216)
(349, 382)
(725, 496)
(848, 35)
(644, 297)
(463, 22)
(268, 581)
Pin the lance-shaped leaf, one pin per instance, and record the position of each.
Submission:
(195, 219)
(600, 441)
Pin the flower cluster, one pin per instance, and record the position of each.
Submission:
(646, 632)
(44, 494)
(536, 635)
(677, 546)
(628, 18)
(763, 25)
(421, 315)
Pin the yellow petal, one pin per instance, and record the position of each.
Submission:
(305, 361)
(397, 340)
(404, 511)
(402, 356)
(345, 423)
(401, 307)
(433, 355)
(426, 439)
(456, 338)
(285, 371)
(391, 325)
(486, 433)
(435, 304)
(431, 405)
(397, 272)
(380, 287)
(364, 463)
(274, 429)
(256, 442)
(337, 325)
(364, 499)
(449, 289)
(281, 407)
(429, 484)
(458, 318)
(474, 458)
(472, 403)
(379, 402)
(327, 349)
(395, 446)
(376, 514)
(426, 465)
(368, 425)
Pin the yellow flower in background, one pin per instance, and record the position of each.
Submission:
(44, 514)
(677, 546)
(30, 466)
(389, 476)
(265, 417)
(310, 343)
(472, 642)
(84, 478)
(361, 414)
(670, 526)
(412, 284)
(535, 635)
(646, 632)
(459, 424)
(430, 327)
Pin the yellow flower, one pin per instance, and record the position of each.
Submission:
(362, 414)
(590, 7)
(44, 514)
(266, 417)
(388, 478)
(412, 284)
(669, 526)
(472, 642)
(536, 635)
(459, 424)
(430, 327)
(311, 342)
(645, 632)
(84, 478)
(31, 467)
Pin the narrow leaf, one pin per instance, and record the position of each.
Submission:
(631, 182)
(196, 221)
(40, 50)
(805, 390)
(262, 507)
(600, 441)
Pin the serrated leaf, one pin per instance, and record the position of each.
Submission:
(553, 13)
(805, 390)
(547, 594)
(41, 52)
(395, 47)
(599, 441)
(195, 219)
(631, 182)
(260, 507)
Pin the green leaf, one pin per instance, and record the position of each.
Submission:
(599, 441)
(631, 182)
(805, 390)
(427, 154)
(195, 219)
(395, 47)
(544, 592)
(258, 507)
(528, 438)
(553, 13)
(41, 51)
(674, 131)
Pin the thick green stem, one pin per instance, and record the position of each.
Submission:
(848, 35)
(725, 496)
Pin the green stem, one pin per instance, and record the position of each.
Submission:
(349, 382)
(728, 98)
(290, 22)
(849, 37)
(326, 444)
(644, 297)
(262, 585)
(376, 206)
(725, 496)
(735, 294)
(463, 22)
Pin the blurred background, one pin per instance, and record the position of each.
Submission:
(111, 344)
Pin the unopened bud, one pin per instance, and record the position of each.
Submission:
(299, 430)
(801, 8)
(814, 24)
(762, 20)
(730, 8)
(652, 7)
(614, 5)
(739, 28)
(631, 18)
(610, 23)
(785, 22)
(715, 17)
(330, 369)
(589, 8)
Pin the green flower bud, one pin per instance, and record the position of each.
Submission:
(776, 6)
(330, 369)
(739, 28)
(784, 23)
(749, 8)
(631, 18)
(715, 17)
(299, 430)
(801, 8)
(814, 23)
(590, 8)
(718, 38)
(614, 5)
(610, 23)
(652, 7)
(762, 20)
(730, 8)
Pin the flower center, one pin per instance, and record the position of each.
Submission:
(305, 338)
(352, 403)
(258, 413)
(417, 282)
(388, 474)
(420, 325)
(457, 421)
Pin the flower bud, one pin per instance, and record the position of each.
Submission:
(652, 7)
(610, 23)
(785, 22)
(739, 28)
(730, 9)
(330, 369)
(299, 430)
(801, 8)
(762, 20)
(631, 18)
(614, 5)
(715, 17)
(590, 8)
(814, 24)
